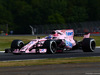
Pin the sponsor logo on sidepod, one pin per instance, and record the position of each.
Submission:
(68, 44)
(69, 33)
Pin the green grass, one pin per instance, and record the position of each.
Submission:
(5, 41)
(50, 61)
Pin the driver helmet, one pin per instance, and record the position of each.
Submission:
(50, 37)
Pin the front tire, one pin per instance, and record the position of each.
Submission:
(17, 44)
(88, 45)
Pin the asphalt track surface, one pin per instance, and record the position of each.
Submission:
(58, 69)
(61, 69)
(68, 54)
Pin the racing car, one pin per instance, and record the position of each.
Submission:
(57, 41)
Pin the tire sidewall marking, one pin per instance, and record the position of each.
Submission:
(91, 43)
(20, 42)
(50, 46)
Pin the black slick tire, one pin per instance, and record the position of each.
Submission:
(17, 44)
(88, 45)
(51, 46)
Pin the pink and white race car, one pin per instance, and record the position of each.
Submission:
(57, 41)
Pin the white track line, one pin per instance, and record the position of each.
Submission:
(2, 51)
(98, 47)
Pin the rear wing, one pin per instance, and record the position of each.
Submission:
(86, 35)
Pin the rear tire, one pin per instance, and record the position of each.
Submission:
(88, 45)
(51, 46)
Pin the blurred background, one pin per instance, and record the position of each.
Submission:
(42, 16)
